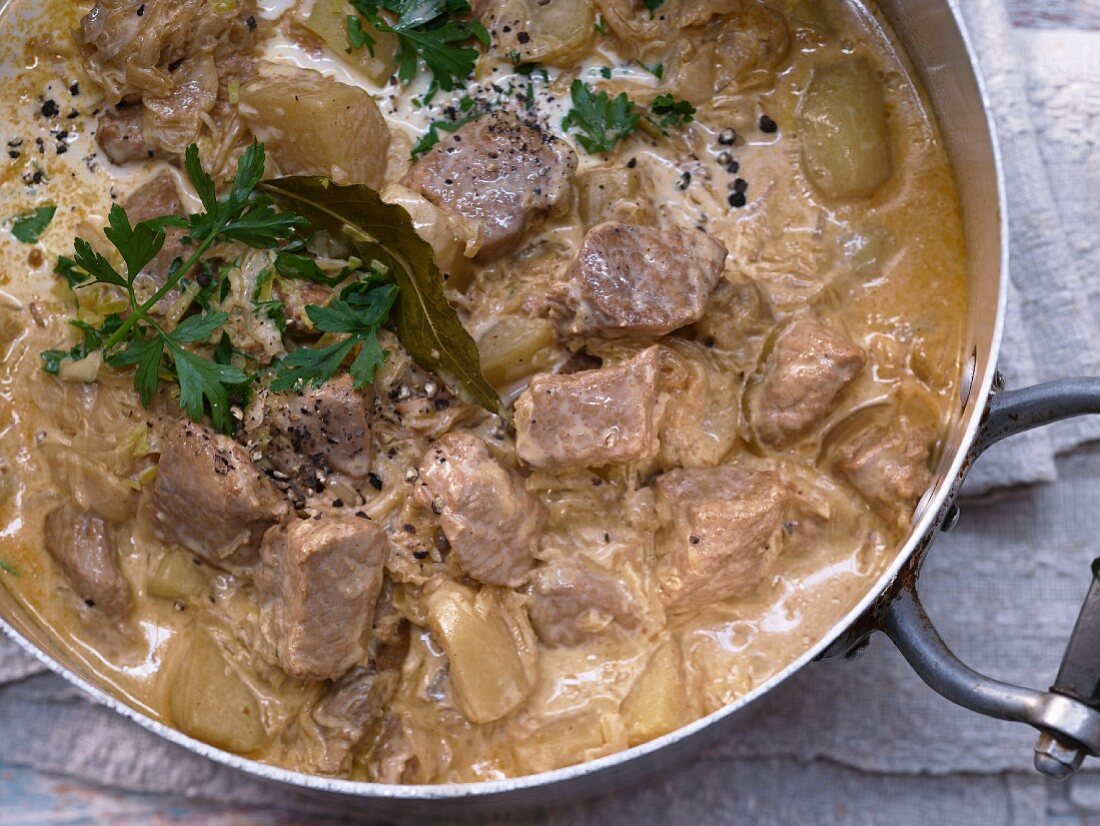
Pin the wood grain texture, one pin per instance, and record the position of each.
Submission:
(1075, 14)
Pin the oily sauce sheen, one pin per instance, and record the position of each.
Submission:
(729, 353)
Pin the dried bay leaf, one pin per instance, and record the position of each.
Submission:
(427, 325)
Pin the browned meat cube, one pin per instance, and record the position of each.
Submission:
(490, 519)
(318, 584)
(571, 599)
(592, 418)
(720, 532)
(210, 498)
(156, 197)
(500, 173)
(85, 553)
(637, 281)
(809, 367)
(119, 135)
(322, 429)
(357, 700)
(888, 463)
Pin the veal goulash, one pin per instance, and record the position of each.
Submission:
(420, 393)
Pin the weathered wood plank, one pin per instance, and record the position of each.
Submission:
(1075, 14)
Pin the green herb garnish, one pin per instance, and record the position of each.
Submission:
(304, 268)
(432, 136)
(8, 568)
(137, 340)
(360, 311)
(670, 112)
(435, 32)
(657, 70)
(653, 5)
(600, 25)
(601, 121)
(427, 325)
(67, 269)
(29, 226)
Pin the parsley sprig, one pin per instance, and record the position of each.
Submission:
(602, 121)
(359, 312)
(136, 339)
(437, 32)
(671, 112)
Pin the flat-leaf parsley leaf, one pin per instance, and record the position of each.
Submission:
(428, 31)
(29, 226)
(601, 121)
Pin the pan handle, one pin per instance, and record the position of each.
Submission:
(1068, 715)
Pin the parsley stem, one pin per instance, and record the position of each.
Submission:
(141, 312)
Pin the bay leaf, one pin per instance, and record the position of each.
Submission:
(427, 324)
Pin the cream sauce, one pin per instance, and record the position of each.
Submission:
(890, 271)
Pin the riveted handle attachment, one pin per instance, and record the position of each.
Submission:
(1067, 716)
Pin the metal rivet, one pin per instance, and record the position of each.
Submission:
(951, 518)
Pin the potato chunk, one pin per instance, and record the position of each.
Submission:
(312, 125)
(611, 194)
(846, 150)
(554, 32)
(491, 649)
(657, 703)
(209, 701)
(515, 347)
(328, 19)
(177, 577)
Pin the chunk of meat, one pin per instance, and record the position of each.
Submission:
(889, 464)
(84, 551)
(357, 701)
(571, 600)
(720, 532)
(317, 585)
(500, 173)
(809, 367)
(156, 198)
(322, 429)
(210, 498)
(593, 418)
(489, 517)
(120, 136)
(637, 281)
(314, 125)
(175, 57)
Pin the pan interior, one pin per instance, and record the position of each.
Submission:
(937, 53)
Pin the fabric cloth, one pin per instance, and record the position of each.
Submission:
(841, 742)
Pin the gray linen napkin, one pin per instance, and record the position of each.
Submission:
(1051, 328)
(1005, 585)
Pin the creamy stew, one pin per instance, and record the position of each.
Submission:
(620, 391)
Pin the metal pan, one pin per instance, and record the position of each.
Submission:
(932, 34)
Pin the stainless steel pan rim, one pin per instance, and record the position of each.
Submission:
(978, 385)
